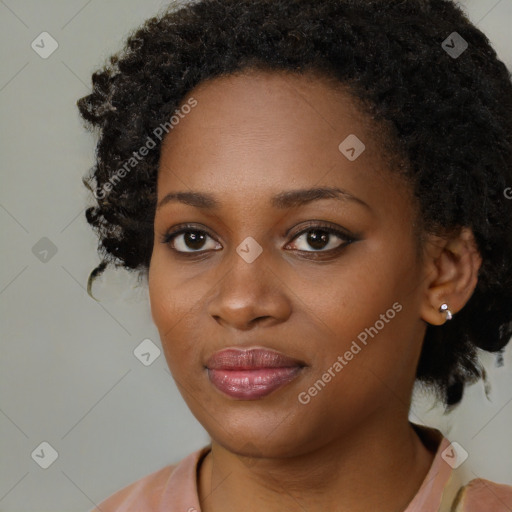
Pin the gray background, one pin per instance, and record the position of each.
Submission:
(68, 375)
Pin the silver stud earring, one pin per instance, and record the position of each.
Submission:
(445, 309)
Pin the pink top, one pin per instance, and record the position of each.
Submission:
(174, 488)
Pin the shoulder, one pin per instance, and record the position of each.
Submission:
(483, 495)
(167, 489)
(139, 493)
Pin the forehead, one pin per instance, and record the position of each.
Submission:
(266, 103)
(257, 129)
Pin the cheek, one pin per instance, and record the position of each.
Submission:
(161, 294)
(369, 313)
(176, 301)
(171, 295)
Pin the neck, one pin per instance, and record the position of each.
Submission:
(376, 466)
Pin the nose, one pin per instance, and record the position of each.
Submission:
(250, 294)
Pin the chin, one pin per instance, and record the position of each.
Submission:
(259, 435)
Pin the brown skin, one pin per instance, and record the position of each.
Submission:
(351, 448)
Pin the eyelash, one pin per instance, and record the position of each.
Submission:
(168, 237)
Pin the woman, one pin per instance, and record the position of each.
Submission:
(316, 192)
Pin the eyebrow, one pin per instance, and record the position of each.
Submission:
(283, 200)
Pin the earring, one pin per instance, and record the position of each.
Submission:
(445, 309)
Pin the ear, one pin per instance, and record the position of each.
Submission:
(451, 267)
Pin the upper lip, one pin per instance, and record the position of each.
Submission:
(250, 359)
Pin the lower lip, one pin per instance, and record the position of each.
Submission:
(251, 384)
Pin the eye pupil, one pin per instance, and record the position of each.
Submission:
(318, 242)
(194, 239)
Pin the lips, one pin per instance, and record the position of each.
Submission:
(251, 374)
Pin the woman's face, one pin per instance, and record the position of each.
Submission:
(260, 268)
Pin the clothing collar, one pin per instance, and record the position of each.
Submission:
(436, 493)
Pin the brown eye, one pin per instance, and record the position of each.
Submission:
(189, 241)
(320, 239)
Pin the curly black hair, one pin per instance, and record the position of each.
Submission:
(449, 115)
